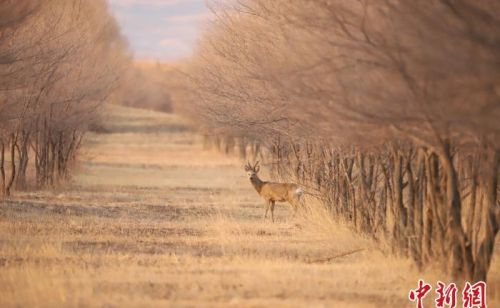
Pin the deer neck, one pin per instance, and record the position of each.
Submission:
(257, 183)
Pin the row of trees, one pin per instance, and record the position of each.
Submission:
(387, 109)
(145, 85)
(59, 60)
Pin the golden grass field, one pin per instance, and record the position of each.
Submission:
(151, 219)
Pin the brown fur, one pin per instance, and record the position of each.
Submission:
(273, 192)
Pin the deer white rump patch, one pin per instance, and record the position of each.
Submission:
(299, 191)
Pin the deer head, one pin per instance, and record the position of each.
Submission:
(252, 170)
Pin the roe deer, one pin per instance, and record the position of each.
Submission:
(274, 192)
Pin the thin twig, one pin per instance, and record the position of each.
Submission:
(334, 257)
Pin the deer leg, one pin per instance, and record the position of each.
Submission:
(292, 203)
(298, 202)
(268, 203)
(272, 210)
(295, 209)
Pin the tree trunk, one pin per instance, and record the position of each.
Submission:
(2, 167)
(491, 212)
(459, 254)
(23, 161)
(399, 210)
(12, 165)
(413, 214)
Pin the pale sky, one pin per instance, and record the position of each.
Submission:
(164, 30)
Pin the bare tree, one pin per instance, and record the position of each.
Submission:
(64, 60)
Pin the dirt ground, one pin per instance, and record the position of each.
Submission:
(153, 219)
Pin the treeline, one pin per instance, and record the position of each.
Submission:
(59, 60)
(146, 85)
(389, 110)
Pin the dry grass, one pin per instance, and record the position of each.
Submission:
(153, 220)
